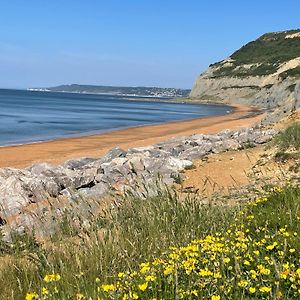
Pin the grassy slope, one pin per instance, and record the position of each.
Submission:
(266, 53)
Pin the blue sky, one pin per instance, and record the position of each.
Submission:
(128, 42)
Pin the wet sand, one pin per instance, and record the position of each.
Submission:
(58, 151)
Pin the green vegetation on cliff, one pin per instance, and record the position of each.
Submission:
(262, 56)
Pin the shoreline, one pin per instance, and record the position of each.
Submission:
(107, 131)
(59, 150)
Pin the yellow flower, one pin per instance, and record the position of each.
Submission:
(32, 296)
(204, 273)
(265, 289)
(253, 274)
(168, 270)
(243, 283)
(246, 263)
(272, 246)
(150, 278)
(45, 291)
(133, 295)
(215, 297)
(145, 267)
(292, 250)
(121, 275)
(283, 275)
(252, 290)
(143, 286)
(108, 287)
(226, 260)
(52, 277)
(263, 270)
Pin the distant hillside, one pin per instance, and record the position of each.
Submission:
(118, 90)
(264, 72)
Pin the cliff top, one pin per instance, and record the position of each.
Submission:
(261, 57)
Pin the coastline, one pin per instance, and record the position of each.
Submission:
(60, 150)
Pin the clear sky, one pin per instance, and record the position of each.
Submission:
(128, 42)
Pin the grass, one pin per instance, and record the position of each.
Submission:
(120, 239)
(264, 54)
(289, 138)
(295, 72)
(163, 248)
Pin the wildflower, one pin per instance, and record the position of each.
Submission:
(45, 291)
(217, 275)
(243, 283)
(252, 290)
(168, 270)
(32, 296)
(205, 273)
(143, 286)
(215, 297)
(253, 274)
(246, 263)
(133, 295)
(265, 289)
(150, 278)
(108, 288)
(263, 270)
(145, 268)
(283, 275)
(292, 250)
(226, 260)
(52, 277)
(121, 275)
(272, 246)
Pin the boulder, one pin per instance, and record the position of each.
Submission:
(231, 144)
(95, 192)
(193, 153)
(114, 153)
(74, 164)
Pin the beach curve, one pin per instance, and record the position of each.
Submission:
(60, 150)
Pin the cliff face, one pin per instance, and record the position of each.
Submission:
(265, 73)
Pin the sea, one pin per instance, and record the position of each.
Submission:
(33, 116)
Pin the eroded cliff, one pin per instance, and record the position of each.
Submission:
(265, 73)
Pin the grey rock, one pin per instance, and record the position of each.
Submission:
(141, 149)
(78, 163)
(194, 153)
(114, 153)
(84, 178)
(231, 144)
(97, 191)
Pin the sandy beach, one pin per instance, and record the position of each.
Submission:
(58, 151)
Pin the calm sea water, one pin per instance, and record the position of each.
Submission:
(27, 116)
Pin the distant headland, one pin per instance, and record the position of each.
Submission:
(139, 91)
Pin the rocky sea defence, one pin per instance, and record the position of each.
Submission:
(35, 199)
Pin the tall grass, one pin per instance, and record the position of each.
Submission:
(289, 138)
(119, 239)
(141, 230)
